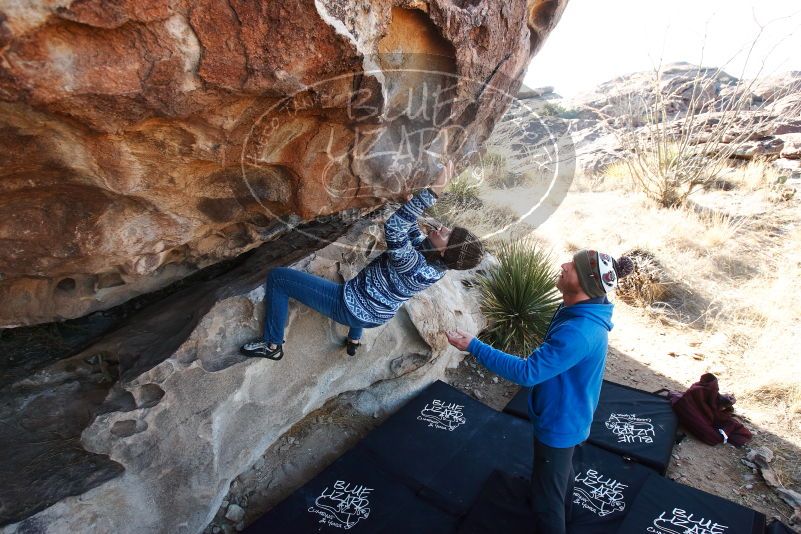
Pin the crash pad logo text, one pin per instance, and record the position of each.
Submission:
(343, 505)
(598, 494)
(680, 522)
(442, 415)
(630, 429)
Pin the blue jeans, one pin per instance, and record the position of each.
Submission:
(317, 293)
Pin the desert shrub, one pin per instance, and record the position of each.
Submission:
(754, 175)
(518, 297)
(494, 159)
(551, 109)
(647, 284)
(483, 219)
(570, 114)
(494, 171)
(616, 175)
(503, 180)
(463, 190)
(668, 175)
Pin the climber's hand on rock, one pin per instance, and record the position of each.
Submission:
(401, 197)
(406, 194)
(443, 178)
(459, 338)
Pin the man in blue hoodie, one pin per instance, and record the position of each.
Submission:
(565, 374)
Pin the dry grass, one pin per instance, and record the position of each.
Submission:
(718, 229)
(754, 175)
(484, 220)
(782, 395)
(757, 175)
(615, 177)
(675, 151)
(494, 169)
(771, 370)
(497, 170)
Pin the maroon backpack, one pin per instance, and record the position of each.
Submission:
(707, 414)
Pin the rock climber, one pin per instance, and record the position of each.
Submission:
(411, 263)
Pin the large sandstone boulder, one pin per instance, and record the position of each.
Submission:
(152, 443)
(144, 140)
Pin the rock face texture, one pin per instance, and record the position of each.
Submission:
(145, 430)
(143, 140)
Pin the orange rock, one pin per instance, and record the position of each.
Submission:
(143, 139)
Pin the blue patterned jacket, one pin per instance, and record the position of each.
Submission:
(380, 289)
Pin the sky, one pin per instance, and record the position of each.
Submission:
(597, 40)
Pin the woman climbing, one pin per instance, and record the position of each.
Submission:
(410, 264)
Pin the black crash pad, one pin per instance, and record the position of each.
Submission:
(666, 507)
(429, 430)
(504, 443)
(429, 461)
(657, 506)
(518, 405)
(627, 421)
(605, 487)
(635, 424)
(445, 444)
(355, 494)
(777, 527)
(501, 506)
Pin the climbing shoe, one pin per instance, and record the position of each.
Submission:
(351, 346)
(258, 348)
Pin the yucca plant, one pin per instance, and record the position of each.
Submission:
(463, 191)
(518, 297)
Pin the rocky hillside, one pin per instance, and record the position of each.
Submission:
(765, 114)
